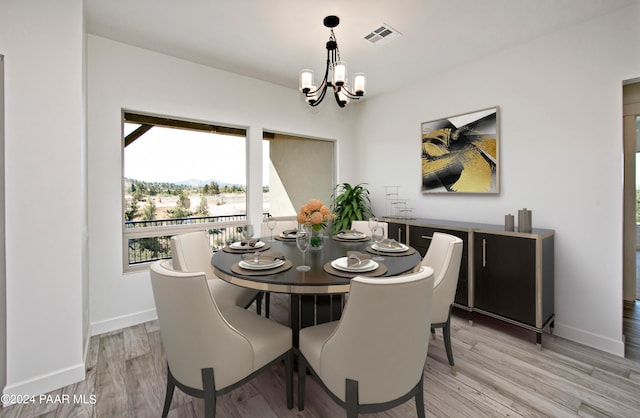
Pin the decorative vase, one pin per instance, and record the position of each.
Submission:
(317, 238)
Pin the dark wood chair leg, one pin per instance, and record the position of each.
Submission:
(209, 388)
(171, 385)
(288, 376)
(267, 302)
(352, 398)
(302, 373)
(446, 333)
(420, 398)
(259, 303)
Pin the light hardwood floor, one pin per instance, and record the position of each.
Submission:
(499, 373)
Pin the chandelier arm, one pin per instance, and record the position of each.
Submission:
(323, 85)
(350, 94)
(321, 96)
(340, 102)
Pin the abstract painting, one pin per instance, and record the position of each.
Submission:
(460, 153)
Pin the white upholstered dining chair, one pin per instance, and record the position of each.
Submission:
(210, 352)
(373, 358)
(191, 253)
(444, 256)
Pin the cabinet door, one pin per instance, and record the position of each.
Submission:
(397, 232)
(505, 276)
(420, 239)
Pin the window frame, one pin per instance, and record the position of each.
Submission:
(147, 118)
(269, 135)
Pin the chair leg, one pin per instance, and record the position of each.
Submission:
(446, 334)
(302, 373)
(171, 385)
(420, 398)
(209, 388)
(259, 303)
(267, 300)
(351, 398)
(288, 377)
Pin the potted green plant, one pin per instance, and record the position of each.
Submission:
(350, 203)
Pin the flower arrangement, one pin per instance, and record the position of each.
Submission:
(314, 214)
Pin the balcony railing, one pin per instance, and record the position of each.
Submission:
(151, 248)
(185, 221)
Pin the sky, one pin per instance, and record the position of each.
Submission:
(175, 155)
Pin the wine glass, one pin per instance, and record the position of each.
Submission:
(271, 224)
(303, 239)
(373, 226)
(246, 232)
(377, 236)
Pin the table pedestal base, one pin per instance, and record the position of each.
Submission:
(309, 310)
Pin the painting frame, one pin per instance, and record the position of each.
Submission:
(460, 153)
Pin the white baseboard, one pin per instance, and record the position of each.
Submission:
(123, 321)
(599, 342)
(15, 393)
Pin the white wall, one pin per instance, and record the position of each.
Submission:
(560, 101)
(42, 45)
(121, 76)
(561, 146)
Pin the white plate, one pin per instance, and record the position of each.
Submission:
(351, 235)
(341, 264)
(238, 245)
(261, 265)
(390, 249)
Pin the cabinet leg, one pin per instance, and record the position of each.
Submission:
(539, 340)
(470, 318)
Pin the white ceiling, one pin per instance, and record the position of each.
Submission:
(272, 40)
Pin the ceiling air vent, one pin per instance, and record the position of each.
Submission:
(382, 35)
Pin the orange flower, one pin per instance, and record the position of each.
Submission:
(314, 213)
(316, 218)
(313, 205)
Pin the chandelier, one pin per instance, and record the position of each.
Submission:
(335, 75)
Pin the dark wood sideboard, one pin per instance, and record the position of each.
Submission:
(506, 275)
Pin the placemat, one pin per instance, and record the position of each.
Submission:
(228, 249)
(410, 251)
(380, 271)
(267, 272)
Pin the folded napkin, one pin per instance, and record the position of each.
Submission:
(355, 258)
(289, 232)
(249, 242)
(389, 243)
(350, 232)
(272, 256)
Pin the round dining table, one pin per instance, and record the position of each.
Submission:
(317, 295)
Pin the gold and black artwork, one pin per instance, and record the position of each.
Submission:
(460, 153)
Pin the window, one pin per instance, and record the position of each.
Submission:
(296, 169)
(179, 176)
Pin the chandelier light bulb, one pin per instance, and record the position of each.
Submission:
(359, 84)
(306, 81)
(340, 73)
